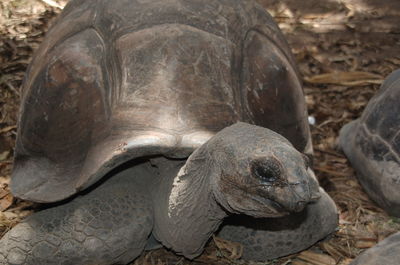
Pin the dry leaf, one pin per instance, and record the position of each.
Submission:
(6, 202)
(346, 78)
(8, 128)
(329, 248)
(3, 192)
(316, 258)
(345, 262)
(235, 249)
(53, 4)
(4, 155)
(364, 244)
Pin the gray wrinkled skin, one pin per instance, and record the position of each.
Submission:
(218, 179)
(386, 252)
(372, 145)
(264, 239)
(182, 203)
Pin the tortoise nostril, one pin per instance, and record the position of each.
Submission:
(300, 205)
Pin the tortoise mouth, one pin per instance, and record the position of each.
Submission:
(270, 200)
(275, 206)
(259, 205)
(266, 208)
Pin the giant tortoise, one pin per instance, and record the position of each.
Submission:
(144, 123)
(372, 144)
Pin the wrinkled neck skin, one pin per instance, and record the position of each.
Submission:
(186, 212)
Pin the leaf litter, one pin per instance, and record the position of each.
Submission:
(344, 49)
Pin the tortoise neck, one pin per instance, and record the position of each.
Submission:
(186, 212)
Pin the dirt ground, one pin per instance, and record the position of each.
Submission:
(344, 49)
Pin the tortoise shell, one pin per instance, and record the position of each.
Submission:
(372, 144)
(117, 80)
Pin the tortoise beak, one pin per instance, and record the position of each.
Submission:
(315, 193)
(315, 196)
(303, 193)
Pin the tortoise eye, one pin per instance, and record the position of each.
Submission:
(267, 170)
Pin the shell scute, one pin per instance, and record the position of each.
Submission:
(63, 112)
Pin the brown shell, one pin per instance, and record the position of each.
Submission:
(117, 80)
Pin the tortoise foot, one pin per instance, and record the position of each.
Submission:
(109, 225)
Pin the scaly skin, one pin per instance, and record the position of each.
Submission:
(265, 239)
(106, 226)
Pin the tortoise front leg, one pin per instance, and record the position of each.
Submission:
(109, 225)
(269, 238)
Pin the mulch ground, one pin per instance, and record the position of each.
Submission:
(344, 49)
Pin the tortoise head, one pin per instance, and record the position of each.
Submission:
(259, 173)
